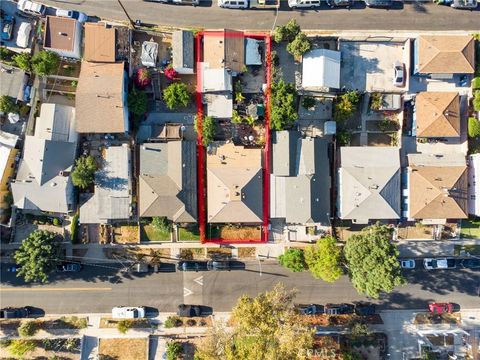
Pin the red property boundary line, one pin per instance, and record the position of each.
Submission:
(201, 175)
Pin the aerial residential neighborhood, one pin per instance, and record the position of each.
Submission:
(245, 180)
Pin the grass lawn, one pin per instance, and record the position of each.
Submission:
(127, 349)
(190, 234)
(470, 229)
(150, 233)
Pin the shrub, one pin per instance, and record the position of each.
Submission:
(84, 172)
(173, 321)
(57, 222)
(74, 227)
(45, 62)
(343, 138)
(209, 128)
(293, 259)
(176, 96)
(476, 83)
(137, 102)
(6, 55)
(308, 102)
(23, 61)
(236, 119)
(28, 328)
(191, 322)
(476, 100)
(7, 105)
(21, 347)
(174, 349)
(346, 105)
(473, 127)
(124, 325)
(142, 78)
(286, 32)
(162, 224)
(300, 45)
(283, 105)
(170, 73)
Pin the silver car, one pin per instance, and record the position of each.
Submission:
(399, 74)
(407, 264)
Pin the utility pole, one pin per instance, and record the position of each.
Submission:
(132, 23)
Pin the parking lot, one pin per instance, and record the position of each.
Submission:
(368, 66)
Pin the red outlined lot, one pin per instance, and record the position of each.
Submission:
(201, 174)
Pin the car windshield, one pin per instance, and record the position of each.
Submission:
(433, 263)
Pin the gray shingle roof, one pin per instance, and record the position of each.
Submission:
(182, 44)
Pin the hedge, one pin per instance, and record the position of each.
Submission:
(74, 228)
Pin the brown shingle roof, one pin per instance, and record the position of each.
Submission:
(59, 33)
(446, 55)
(438, 114)
(224, 49)
(99, 98)
(99, 43)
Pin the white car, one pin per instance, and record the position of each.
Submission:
(233, 4)
(31, 7)
(407, 264)
(310, 4)
(128, 312)
(440, 263)
(72, 14)
(23, 34)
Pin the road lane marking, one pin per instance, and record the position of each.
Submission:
(2, 289)
(199, 280)
(187, 292)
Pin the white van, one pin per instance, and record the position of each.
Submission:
(23, 34)
(233, 4)
(294, 4)
(124, 312)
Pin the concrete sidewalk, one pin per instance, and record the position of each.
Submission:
(426, 248)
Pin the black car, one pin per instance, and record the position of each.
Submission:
(192, 266)
(312, 309)
(219, 265)
(69, 267)
(338, 309)
(364, 309)
(470, 263)
(15, 313)
(386, 4)
(340, 3)
(193, 310)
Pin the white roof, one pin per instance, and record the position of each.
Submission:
(216, 79)
(219, 105)
(56, 122)
(321, 68)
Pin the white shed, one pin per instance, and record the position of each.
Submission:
(321, 68)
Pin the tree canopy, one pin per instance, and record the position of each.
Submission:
(7, 105)
(283, 105)
(23, 61)
(45, 62)
(137, 102)
(323, 259)
(300, 45)
(263, 327)
(345, 105)
(84, 172)
(293, 260)
(37, 256)
(286, 32)
(473, 127)
(373, 261)
(176, 95)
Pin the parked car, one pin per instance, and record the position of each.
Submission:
(302, 4)
(77, 15)
(192, 266)
(440, 308)
(69, 267)
(31, 7)
(312, 309)
(470, 263)
(337, 309)
(15, 313)
(364, 309)
(219, 265)
(186, 2)
(233, 4)
(464, 4)
(385, 4)
(441, 263)
(8, 23)
(340, 3)
(399, 74)
(23, 34)
(193, 310)
(128, 312)
(407, 264)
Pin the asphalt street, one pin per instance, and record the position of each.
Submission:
(408, 16)
(97, 288)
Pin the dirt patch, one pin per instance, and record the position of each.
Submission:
(240, 233)
(415, 232)
(429, 318)
(379, 139)
(215, 253)
(192, 253)
(246, 252)
(127, 234)
(124, 349)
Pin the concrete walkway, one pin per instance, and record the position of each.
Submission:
(425, 248)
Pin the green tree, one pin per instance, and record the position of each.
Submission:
(209, 128)
(45, 62)
(28, 328)
(373, 261)
(376, 101)
(124, 325)
(23, 61)
(349, 354)
(283, 105)
(176, 95)
(476, 100)
(287, 32)
(323, 259)
(293, 260)
(345, 105)
(300, 45)
(21, 347)
(308, 102)
(263, 327)
(174, 350)
(37, 256)
(473, 127)
(84, 172)
(7, 105)
(137, 102)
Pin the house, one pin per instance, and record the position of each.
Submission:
(100, 45)
(437, 114)
(112, 196)
(300, 179)
(321, 69)
(437, 187)
(14, 83)
(224, 49)
(369, 184)
(234, 184)
(168, 181)
(63, 36)
(8, 155)
(56, 122)
(183, 52)
(473, 186)
(101, 98)
(444, 55)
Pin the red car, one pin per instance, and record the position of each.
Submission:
(440, 308)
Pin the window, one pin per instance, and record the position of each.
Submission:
(472, 197)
